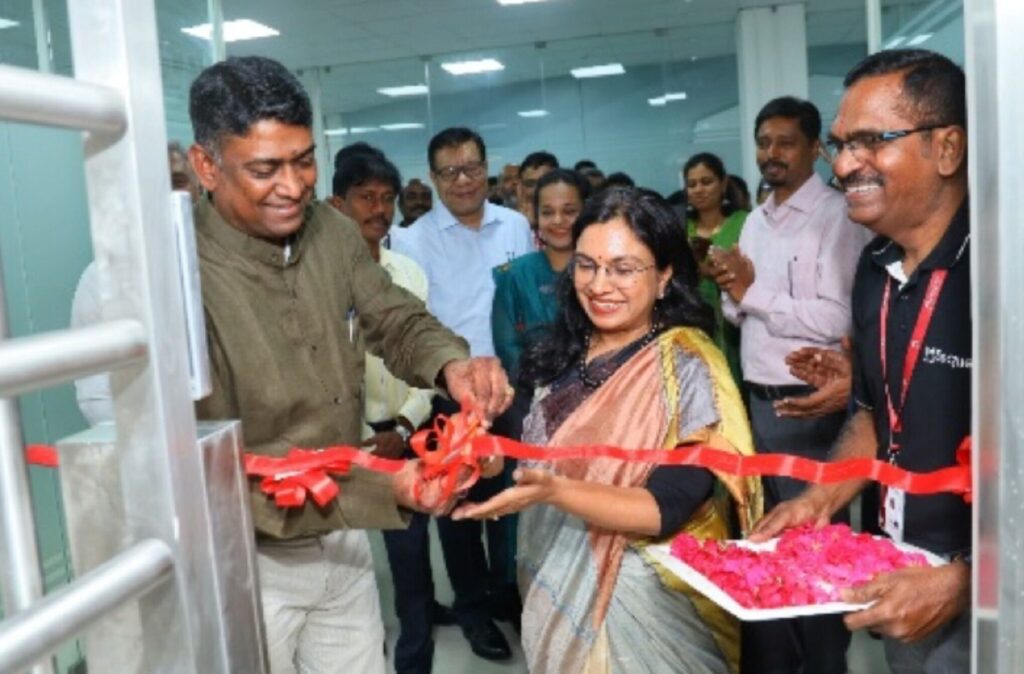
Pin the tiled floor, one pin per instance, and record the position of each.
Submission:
(452, 654)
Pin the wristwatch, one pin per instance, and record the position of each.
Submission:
(404, 432)
(965, 556)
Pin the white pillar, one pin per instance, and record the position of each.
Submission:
(873, 12)
(771, 54)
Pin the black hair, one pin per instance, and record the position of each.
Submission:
(584, 164)
(360, 168)
(654, 222)
(677, 198)
(353, 150)
(714, 164)
(454, 137)
(564, 176)
(619, 179)
(805, 112)
(227, 98)
(934, 87)
(538, 159)
(739, 191)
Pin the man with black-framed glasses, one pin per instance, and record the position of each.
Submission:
(457, 244)
(901, 158)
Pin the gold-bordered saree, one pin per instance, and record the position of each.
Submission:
(593, 602)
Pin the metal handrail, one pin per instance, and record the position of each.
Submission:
(56, 100)
(41, 360)
(32, 634)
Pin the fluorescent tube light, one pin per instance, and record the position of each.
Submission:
(234, 30)
(473, 67)
(533, 113)
(665, 98)
(598, 71)
(8, 23)
(405, 90)
(896, 41)
(918, 39)
(336, 132)
(517, 2)
(401, 126)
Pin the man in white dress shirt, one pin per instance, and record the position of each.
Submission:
(457, 243)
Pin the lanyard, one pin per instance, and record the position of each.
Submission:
(924, 318)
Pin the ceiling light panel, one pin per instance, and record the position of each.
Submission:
(7, 23)
(405, 90)
(235, 30)
(533, 113)
(473, 67)
(402, 126)
(598, 71)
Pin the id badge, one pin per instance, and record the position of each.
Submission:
(893, 508)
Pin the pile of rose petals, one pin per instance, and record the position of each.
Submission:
(807, 566)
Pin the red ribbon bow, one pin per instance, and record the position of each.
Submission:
(447, 451)
(291, 477)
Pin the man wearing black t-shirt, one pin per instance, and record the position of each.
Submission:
(900, 145)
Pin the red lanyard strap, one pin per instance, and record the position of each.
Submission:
(924, 319)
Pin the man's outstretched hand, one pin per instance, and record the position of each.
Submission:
(480, 385)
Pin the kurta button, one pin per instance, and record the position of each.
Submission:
(313, 346)
(337, 401)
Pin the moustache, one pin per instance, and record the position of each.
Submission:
(771, 163)
(859, 179)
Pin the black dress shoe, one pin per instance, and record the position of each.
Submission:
(487, 641)
(442, 615)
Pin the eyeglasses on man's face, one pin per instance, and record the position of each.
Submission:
(622, 274)
(864, 144)
(472, 170)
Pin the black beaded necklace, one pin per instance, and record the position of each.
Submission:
(592, 383)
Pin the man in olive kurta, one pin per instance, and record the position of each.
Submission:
(287, 283)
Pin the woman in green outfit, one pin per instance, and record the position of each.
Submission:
(525, 298)
(713, 220)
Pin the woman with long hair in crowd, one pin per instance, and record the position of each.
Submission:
(630, 363)
(714, 218)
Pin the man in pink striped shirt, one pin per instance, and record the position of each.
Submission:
(787, 286)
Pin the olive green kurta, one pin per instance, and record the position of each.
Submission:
(285, 360)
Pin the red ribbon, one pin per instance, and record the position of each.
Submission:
(452, 450)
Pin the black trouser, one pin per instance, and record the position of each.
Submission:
(472, 576)
(409, 558)
(815, 644)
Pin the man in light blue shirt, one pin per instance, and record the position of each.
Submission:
(462, 238)
(457, 243)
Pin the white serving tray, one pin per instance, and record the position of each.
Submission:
(698, 581)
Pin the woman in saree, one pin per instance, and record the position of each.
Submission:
(628, 363)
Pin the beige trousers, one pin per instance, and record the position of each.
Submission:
(320, 605)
